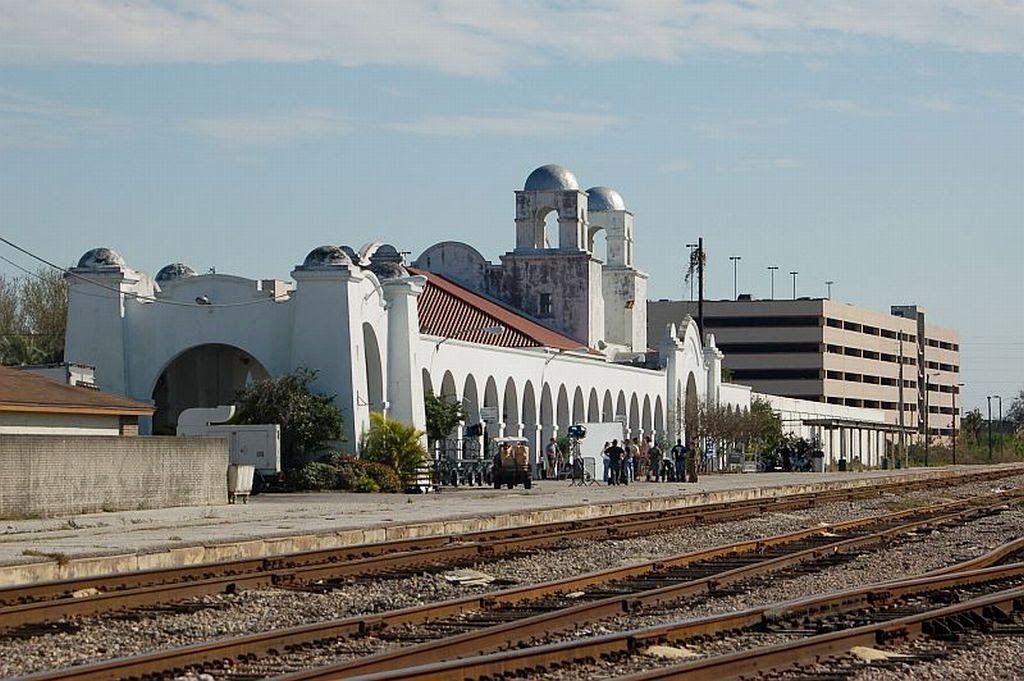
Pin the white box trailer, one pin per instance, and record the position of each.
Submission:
(257, 445)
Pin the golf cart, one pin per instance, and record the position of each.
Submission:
(511, 462)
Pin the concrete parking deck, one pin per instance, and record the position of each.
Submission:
(46, 549)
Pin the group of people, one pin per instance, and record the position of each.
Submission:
(631, 460)
(638, 459)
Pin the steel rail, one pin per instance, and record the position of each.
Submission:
(530, 628)
(814, 648)
(610, 525)
(257, 644)
(734, 665)
(49, 601)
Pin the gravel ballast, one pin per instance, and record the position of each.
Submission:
(253, 611)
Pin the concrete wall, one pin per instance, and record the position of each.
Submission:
(62, 475)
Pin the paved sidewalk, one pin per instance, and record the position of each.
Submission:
(278, 523)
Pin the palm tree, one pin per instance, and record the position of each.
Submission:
(395, 444)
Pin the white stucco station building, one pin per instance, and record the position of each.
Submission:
(552, 334)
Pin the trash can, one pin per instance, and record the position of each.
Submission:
(240, 482)
(842, 465)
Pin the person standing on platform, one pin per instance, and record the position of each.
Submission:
(679, 459)
(551, 459)
(631, 456)
(616, 461)
(691, 462)
(653, 462)
(666, 474)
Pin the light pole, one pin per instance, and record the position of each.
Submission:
(829, 285)
(989, 398)
(735, 260)
(691, 247)
(955, 415)
(771, 274)
(927, 413)
(1001, 438)
(793, 274)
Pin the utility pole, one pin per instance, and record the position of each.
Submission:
(955, 414)
(700, 287)
(989, 398)
(691, 247)
(1001, 438)
(903, 435)
(771, 273)
(927, 431)
(829, 285)
(735, 291)
(794, 273)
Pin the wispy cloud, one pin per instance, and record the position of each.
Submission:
(761, 164)
(485, 37)
(1012, 100)
(845, 106)
(519, 124)
(249, 130)
(935, 103)
(678, 165)
(29, 121)
(732, 128)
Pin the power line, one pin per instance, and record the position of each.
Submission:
(136, 296)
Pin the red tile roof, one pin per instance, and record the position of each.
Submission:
(451, 311)
(23, 391)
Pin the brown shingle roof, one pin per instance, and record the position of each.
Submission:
(23, 391)
(449, 310)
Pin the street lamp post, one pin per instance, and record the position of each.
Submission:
(955, 415)
(927, 414)
(793, 274)
(735, 260)
(771, 274)
(1001, 438)
(989, 398)
(829, 285)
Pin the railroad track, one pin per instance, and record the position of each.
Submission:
(510, 617)
(24, 606)
(893, 612)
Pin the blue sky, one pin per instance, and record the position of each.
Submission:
(876, 144)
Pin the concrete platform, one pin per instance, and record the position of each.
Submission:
(47, 549)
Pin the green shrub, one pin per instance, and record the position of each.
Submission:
(385, 476)
(365, 484)
(315, 475)
(346, 472)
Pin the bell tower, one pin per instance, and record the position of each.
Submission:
(551, 188)
(557, 284)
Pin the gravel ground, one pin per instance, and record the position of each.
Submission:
(248, 612)
(981, 658)
(921, 553)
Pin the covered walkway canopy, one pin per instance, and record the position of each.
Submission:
(852, 440)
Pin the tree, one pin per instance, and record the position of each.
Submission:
(33, 317)
(971, 425)
(394, 444)
(443, 415)
(308, 420)
(1016, 412)
(765, 429)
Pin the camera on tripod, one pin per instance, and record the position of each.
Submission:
(576, 432)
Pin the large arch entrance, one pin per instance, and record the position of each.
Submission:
(203, 376)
